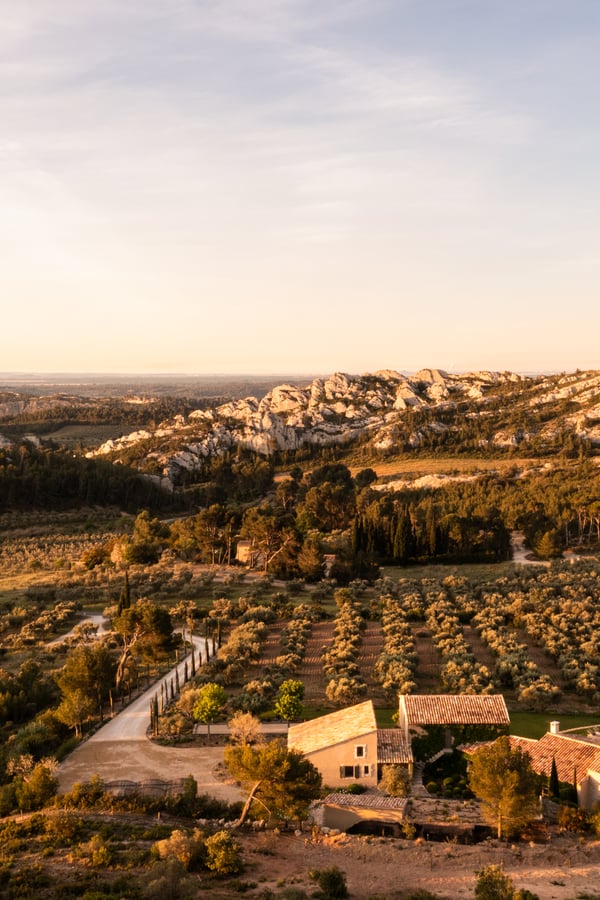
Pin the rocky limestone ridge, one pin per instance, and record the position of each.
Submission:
(328, 411)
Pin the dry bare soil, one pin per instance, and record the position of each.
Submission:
(391, 868)
(382, 868)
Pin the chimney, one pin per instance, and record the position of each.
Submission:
(555, 727)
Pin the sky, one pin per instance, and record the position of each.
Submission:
(278, 186)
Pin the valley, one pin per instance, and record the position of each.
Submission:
(365, 536)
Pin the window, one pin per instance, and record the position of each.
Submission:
(366, 771)
(360, 751)
(346, 771)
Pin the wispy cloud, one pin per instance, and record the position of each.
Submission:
(156, 142)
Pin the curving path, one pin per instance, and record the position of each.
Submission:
(121, 750)
(90, 618)
(521, 554)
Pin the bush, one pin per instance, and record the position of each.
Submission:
(395, 781)
(572, 819)
(332, 883)
(84, 795)
(62, 829)
(354, 789)
(223, 854)
(168, 879)
(493, 884)
(35, 791)
(188, 849)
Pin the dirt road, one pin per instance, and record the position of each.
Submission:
(121, 750)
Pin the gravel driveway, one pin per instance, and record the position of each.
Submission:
(121, 750)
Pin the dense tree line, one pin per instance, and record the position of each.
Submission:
(390, 532)
(50, 414)
(42, 478)
(327, 511)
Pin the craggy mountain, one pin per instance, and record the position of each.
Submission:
(392, 412)
(41, 402)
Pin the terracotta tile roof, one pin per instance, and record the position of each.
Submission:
(334, 728)
(454, 709)
(366, 801)
(392, 747)
(570, 753)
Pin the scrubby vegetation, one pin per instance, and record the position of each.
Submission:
(331, 554)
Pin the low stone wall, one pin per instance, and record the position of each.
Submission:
(154, 787)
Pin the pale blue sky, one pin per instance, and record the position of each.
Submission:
(299, 186)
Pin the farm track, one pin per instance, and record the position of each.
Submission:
(271, 648)
(310, 670)
(546, 665)
(429, 660)
(370, 647)
(482, 653)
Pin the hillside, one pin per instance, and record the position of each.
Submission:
(483, 412)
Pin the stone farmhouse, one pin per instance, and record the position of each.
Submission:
(347, 747)
(577, 758)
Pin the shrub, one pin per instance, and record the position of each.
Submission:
(168, 879)
(84, 795)
(332, 883)
(493, 884)
(62, 829)
(187, 849)
(35, 790)
(97, 852)
(572, 819)
(223, 854)
(355, 789)
(395, 781)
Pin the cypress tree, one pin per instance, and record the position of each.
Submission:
(430, 531)
(553, 783)
(156, 714)
(403, 538)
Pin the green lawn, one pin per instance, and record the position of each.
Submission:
(534, 725)
(475, 572)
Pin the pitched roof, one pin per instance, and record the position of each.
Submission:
(454, 709)
(570, 753)
(334, 728)
(392, 747)
(366, 801)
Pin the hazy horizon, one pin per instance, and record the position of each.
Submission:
(126, 376)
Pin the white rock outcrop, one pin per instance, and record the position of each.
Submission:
(329, 410)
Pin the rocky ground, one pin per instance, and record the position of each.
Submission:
(563, 869)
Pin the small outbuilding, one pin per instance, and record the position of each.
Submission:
(370, 813)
